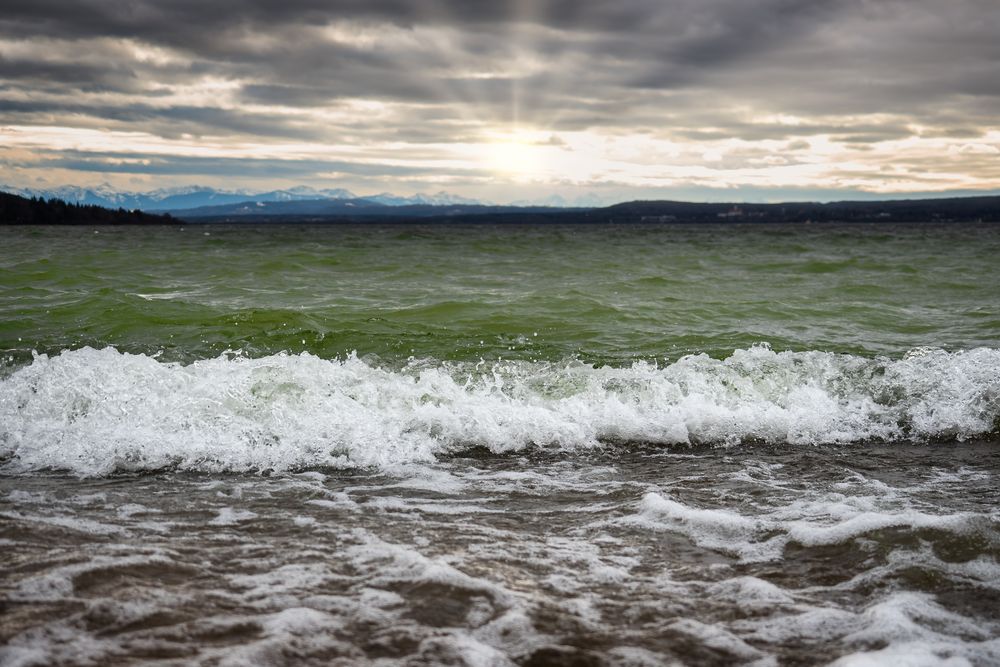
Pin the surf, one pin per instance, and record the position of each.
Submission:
(93, 412)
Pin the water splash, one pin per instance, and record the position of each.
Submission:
(95, 412)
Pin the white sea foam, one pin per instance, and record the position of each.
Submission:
(818, 521)
(93, 412)
(716, 638)
(230, 517)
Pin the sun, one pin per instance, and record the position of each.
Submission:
(514, 155)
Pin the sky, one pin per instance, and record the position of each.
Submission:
(705, 100)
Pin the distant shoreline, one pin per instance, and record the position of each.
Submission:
(17, 210)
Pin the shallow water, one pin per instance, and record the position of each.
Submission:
(624, 555)
(505, 445)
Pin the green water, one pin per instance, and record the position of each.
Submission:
(604, 294)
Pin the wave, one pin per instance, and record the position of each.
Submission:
(95, 412)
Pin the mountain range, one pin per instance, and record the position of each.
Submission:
(960, 209)
(306, 205)
(193, 197)
(355, 209)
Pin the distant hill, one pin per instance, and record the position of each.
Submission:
(963, 209)
(350, 208)
(276, 208)
(967, 209)
(17, 210)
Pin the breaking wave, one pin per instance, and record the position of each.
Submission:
(96, 412)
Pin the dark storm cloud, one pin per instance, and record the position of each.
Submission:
(785, 50)
(188, 22)
(725, 128)
(63, 73)
(125, 163)
(167, 121)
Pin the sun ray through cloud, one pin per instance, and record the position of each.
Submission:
(631, 100)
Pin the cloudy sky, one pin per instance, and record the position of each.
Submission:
(753, 100)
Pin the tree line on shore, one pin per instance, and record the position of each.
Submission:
(17, 210)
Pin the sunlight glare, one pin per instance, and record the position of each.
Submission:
(513, 154)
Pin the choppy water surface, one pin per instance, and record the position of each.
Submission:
(604, 294)
(500, 445)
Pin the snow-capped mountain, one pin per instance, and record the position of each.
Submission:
(101, 195)
(161, 199)
(194, 196)
(306, 192)
(588, 200)
(438, 199)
